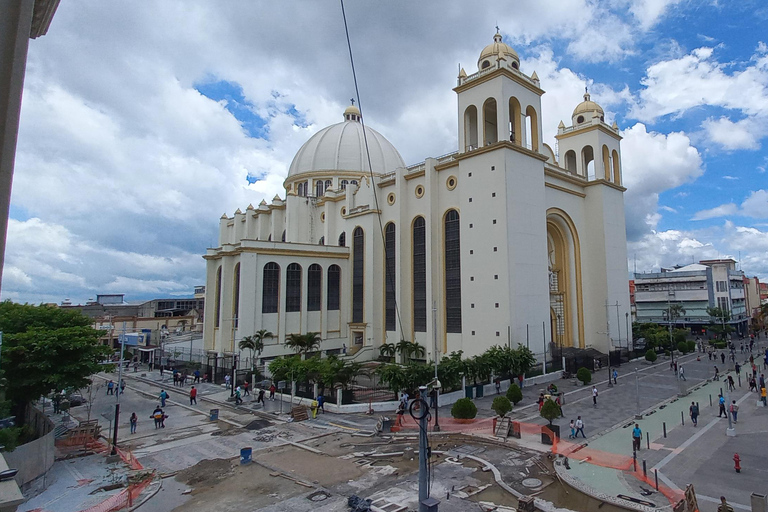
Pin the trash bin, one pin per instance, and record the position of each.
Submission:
(214, 414)
(245, 455)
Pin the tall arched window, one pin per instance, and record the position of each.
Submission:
(490, 123)
(236, 295)
(515, 121)
(570, 161)
(293, 288)
(452, 272)
(328, 184)
(588, 162)
(334, 287)
(419, 275)
(282, 238)
(532, 122)
(616, 167)
(322, 241)
(358, 274)
(319, 188)
(217, 318)
(470, 128)
(390, 243)
(606, 163)
(344, 184)
(270, 288)
(314, 287)
(343, 239)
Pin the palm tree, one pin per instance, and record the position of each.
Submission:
(404, 348)
(388, 350)
(249, 343)
(303, 343)
(416, 350)
(259, 338)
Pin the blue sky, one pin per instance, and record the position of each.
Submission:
(143, 123)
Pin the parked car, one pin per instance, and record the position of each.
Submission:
(76, 399)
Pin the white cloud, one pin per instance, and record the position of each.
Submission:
(718, 211)
(755, 206)
(739, 135)
(648, 12)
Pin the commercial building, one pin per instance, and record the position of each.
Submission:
(500, 242)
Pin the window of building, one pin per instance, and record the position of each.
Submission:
(358, 274)
(217, 318)
(343, 239)
(314, 287)
(344, 184)
(270, 291)
(452, 272)
(328, 184)
(282, 238)
(334, 287)
(722, 303)
(322, 240)
(722, 286)
(419, 275)
(389, 276)
(353, 182)
(293, 288)
(319, 188)
(236, 294)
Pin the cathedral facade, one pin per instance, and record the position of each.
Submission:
(498, 243)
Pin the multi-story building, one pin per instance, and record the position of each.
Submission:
(500, 242)
(698, 286)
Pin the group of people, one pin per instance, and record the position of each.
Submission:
(113, 388)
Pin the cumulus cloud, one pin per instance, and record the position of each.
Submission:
(739, 135)
(755, 206)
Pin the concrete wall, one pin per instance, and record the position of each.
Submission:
(35, 458)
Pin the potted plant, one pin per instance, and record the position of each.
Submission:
(464, 409)
(549, 411)
(501, 406)
(584, 375)
(650, 355)
(514, 394)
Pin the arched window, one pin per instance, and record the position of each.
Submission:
(588, 162)
(322, 241)
(354, 182)
(485, 64)
(293, 288)
(328, 184)
(236, 294)
(270, 288)
(515, 121)
(390, 243)
(532, 122)
(282, 238)
(606, 163)
(334, 288)
(419, 275)
(319, 188)
(452, 272)
(344, 184)
(570, 161)
(470, 128)
(616, 167)
(301, 189)
(343, 239)
(217, 318)
(358, 274)
(314, 287)
(490, 122)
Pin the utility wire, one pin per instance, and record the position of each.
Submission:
(390, 278)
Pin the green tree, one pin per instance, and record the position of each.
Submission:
(718, 322)
(393, 375)
(449, 371)
(464, 409)
(46, 348)
(682, 347)
(550, 410)
(514, 393)
(387, 350)
(303, 343)
(501, 405)
(584, 375)
(650, 355)
(255, 343)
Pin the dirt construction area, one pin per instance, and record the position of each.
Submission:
(321, 473)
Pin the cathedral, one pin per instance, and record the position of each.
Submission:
(503, 241)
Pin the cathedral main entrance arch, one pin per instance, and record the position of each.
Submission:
(565, 295)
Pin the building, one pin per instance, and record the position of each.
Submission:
(698, 286)
(500, 242)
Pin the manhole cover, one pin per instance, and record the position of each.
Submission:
(318, 496)
(532, 482)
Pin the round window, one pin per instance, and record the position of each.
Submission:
(391, 198)
(343, 210)
(580, 119)
(486, 64)
(515, 65)
(420, 191)
(451, 182)
(322, 217)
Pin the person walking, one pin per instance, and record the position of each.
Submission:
(321, 403)
(272, 390)
(193, 396)
(722, 357)
(540, 401)
(227, 381)
(163, 397)
(637, 437)
(433, 398)
(615, 375)
(579, 427)
(721, 402)
(573, 430)
(159, 416)
(197, 376)
(682, 373)
(693, 412)
(260, 398)
(594, 396)
(498, 386)
(731, 384)
(737, 367)
(763, 396)
(238, 399)
(122, 386)
(717, 373)
(133, 420)
(245, 389)
(110, 388)
(734, 411)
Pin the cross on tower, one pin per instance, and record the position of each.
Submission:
(353, 101)
(497, 28)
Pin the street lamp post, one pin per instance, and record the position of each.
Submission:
(436, 427)
(608, 335)
(626, 316)
(118, 391)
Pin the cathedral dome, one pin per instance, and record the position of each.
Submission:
(341, 147)
(586, 110)
(492, 52)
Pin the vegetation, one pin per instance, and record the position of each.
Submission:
(501, 405)
(464, 409)
(303, 343)
(514, 393)
(388, 351)
(691, 345)
(682, 347)
(584, 375)
(650, 355)
(255, 343)
(718, 322)
(550, 410)
(329, 372)
(408, 349)
(46, 349)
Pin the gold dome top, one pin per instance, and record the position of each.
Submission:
(352, 113)
(495, 50)
(587, 106)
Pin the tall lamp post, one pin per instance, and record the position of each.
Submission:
(626, 316)
(436, 387)
(608, 335)
(118, 391)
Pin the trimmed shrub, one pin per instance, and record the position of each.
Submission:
(650, 356)
(464, 409)
(584, 375)
(691, 346)
(550, 410)
(514, 394)
(501, 405)
(682, 347)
